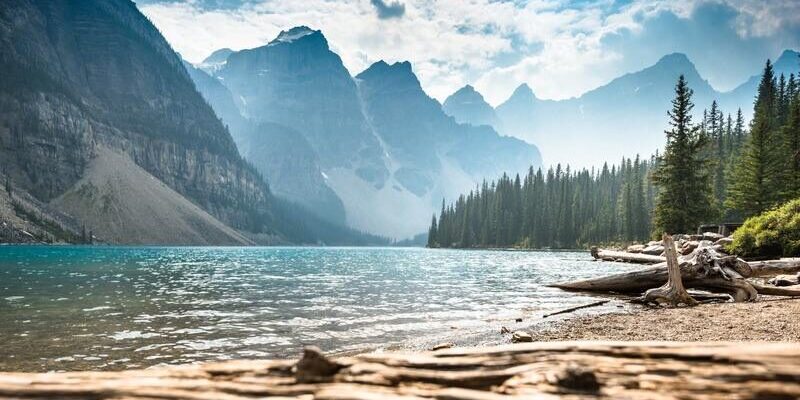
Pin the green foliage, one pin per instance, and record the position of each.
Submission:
(685, 191)
(758, 181)
(772, 234)
(557, 208)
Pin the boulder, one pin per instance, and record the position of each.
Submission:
(653, 250)
(712, 236)
(654, 243)
(635, 248)
(521, 337)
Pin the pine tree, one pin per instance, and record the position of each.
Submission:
(755, 184)
(791, 135)
(684, 198)
(432, 233)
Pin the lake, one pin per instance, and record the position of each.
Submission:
(81, 307)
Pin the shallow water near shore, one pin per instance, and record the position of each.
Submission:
(80, 308)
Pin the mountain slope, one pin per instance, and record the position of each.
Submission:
(385, 148)
(296, 81)
(744, 95)
(84, 76)
(467, 106)
(624, 117)
(127, 205)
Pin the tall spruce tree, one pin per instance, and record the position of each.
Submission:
(756, 181)
(685, 193)
(791, 135)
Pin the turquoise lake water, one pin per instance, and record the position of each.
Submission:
(78, 308)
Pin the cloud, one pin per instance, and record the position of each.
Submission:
(559, 48)
(385, 10)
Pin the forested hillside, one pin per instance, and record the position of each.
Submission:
(712, 171)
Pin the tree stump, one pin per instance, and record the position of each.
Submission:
(672, 292)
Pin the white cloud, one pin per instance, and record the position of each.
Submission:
(555, 48)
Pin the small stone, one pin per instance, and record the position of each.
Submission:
(315, 367)
(504, 330)
(441, 346)
(518, 320)
(521, 337)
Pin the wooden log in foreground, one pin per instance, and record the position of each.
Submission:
(574, 370)
(624, 256)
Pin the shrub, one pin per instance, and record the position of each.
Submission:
(775, 233)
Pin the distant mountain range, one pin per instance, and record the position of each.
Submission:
(622, 118)
(374, 150)
(103, 131)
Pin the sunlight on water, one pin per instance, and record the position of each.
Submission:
(65, 308)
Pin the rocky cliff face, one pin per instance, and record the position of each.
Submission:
(298, 82)
(385, 148)
(81, 76)
(468, 106)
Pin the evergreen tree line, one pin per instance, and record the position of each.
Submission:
(714, 170)
(557, 208)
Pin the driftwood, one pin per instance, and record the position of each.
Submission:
(704, 269)
(624, 256)
(673, 291)
(575, 370)
(576, 308)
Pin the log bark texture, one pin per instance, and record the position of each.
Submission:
(573, 370)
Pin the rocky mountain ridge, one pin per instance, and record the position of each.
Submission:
(377, 141)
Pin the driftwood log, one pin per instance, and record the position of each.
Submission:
(703, 269)
(624, 256)
(672, 292)
(574, 370)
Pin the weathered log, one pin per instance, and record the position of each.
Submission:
(577, 370)
(672, 292)
(624, 256)
(646, 278)
(775, 267)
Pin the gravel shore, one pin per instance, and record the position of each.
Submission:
(769, 319)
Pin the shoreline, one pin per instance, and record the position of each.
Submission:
(771, 319)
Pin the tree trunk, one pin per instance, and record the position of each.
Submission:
(672, 292)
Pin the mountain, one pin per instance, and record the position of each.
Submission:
(467, 106)
(215, 60)
(624, 117)
(744, 95)
(102, 123)
(345, 147)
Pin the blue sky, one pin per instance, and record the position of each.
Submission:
(559, 48)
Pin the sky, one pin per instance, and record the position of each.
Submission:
(560, 48)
